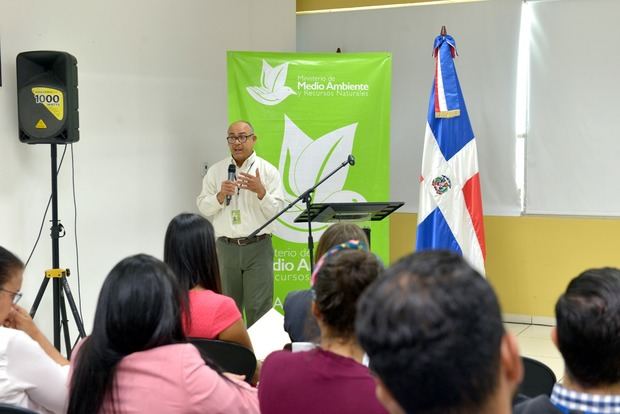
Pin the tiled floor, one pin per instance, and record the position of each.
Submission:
(535, 342)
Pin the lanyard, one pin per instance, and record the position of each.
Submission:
(247, 171)
(232, 161)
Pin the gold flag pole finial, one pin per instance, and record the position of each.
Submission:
(443, 31)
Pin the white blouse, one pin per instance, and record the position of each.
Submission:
(28, 376)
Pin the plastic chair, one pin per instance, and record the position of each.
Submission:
(230, 356)
(538, 379)
(13, 409)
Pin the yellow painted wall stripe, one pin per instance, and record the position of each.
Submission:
(530, 260)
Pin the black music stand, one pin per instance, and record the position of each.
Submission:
(306, 197)
(336, 212)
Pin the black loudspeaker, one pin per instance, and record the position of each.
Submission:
(47, 98)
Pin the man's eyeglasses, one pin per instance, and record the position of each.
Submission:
(16, 296)
(241, 138)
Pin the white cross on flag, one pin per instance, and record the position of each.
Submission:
(450, 210)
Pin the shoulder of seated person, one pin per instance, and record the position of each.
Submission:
(185, 347)
(17, 341)
(183, 354)
(298, 295)
(209, 294)
(282, 357)
(10, 334)
(534, 405)
(181, 349)
(202, 293)
(277, 355)
(220, 300)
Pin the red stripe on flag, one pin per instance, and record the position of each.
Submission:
(473, 200)
(437, 109)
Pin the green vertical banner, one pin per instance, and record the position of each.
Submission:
(309, 112)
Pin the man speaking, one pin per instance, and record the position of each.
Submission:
(239, 194)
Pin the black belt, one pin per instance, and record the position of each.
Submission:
(244, 241)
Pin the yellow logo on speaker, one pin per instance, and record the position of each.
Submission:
(40, 125)
(52, 99)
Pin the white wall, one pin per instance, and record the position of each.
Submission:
(486, 35)
(152, 89)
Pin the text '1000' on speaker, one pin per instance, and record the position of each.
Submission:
(47, 97)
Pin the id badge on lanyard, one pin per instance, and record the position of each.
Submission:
(235, 216)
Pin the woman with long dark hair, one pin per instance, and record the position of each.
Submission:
(137, 360)
(189, 250)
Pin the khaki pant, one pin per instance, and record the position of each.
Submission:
(247, 276)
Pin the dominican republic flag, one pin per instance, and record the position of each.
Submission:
(450, 211)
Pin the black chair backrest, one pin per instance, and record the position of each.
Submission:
(13, 409)
(538, 379)
(230, 356)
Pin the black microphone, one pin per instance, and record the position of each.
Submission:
(351, 159)
(231, 177)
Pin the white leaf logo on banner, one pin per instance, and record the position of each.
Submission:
(272, 90)
(303, 163)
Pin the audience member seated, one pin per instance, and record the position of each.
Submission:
(137, 360)
(32, 372)
(189, 250)
(433, 331)
(298, 320)
(587, 333)
(330, 378)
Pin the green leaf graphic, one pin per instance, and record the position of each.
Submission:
(326, 159)
(286, 174)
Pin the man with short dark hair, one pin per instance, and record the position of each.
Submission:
(587, 333)
(433, 331)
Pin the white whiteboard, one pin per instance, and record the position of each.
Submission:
(573, 142)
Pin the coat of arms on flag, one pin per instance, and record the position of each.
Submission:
(450, 210)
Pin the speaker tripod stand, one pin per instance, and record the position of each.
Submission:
(61, 290)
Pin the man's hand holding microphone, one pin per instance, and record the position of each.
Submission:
(232, 184)
(228, 187)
